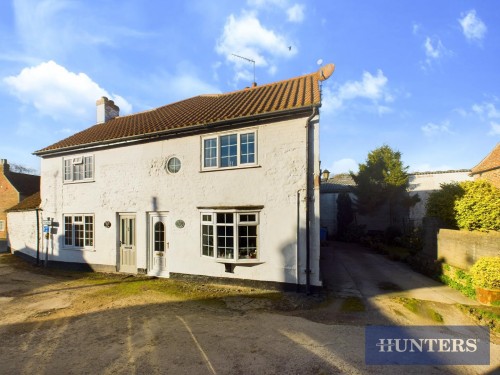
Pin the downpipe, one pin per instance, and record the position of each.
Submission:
(308, 202)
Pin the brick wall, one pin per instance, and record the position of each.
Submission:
(492, 176)
(8, 198)
(463, 248)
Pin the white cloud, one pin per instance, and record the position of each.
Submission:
(296, 13)
(187, 85)
(344, 166)
(495, 128)
(434, 51)
(431, 129)
(247, 37)
(266, 3)
(473, 28)
(416, 28)
(371, 87)
(56, 92)
(486, 110)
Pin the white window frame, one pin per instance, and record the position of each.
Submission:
(218, 145)
(2, 225)
(209, 230)
(81, 228)
(78, 169)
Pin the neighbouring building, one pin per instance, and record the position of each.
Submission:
(330, 190)
(14, 187)
(489, 168)
(421, 183)
(424, 183)
(223, 185)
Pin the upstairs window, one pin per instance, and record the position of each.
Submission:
(229, 150)
(80, 168)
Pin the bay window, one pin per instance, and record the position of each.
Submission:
(231, 236)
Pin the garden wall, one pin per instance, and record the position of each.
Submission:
(463, 248)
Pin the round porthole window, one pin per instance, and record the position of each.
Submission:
(173, 165)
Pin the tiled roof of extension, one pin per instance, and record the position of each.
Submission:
(491, 161)
(203, 110)
(30, 203)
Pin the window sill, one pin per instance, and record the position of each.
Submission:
(77, 182)
(239, 262)
(230, 168)
(79, 249)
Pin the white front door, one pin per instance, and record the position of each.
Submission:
(158, 245)
(128, 256)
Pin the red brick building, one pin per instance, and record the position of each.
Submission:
(489, 168)
(14, 187)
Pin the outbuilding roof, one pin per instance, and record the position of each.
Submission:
(204, 110)
(30, 203)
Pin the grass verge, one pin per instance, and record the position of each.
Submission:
(484, 315)
(420, 308)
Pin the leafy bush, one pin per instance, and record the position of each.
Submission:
(353, 233)
(441, 203)
(458, 279)
(486, 273)
(392, 235)
(478, 209)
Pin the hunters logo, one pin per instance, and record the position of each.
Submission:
(433, 345)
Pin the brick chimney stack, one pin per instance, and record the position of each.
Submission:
(106, 110)
(4, 166)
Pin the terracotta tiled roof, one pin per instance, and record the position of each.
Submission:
(203, 110)
(25, 184)
(30, 203)
(492, 161)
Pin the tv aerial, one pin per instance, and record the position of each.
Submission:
(249, 60)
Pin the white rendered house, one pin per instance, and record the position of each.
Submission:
(222, 185)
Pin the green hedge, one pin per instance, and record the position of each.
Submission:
(486, 273)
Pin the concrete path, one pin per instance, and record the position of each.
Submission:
(352, 270)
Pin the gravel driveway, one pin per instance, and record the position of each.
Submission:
(54, 323)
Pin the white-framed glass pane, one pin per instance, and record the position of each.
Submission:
(210, 152)
(79, 231)
(68, 230)
(88, 163)
(67, 170)
(207, 234)
(174, 165)
(225, 241)
(228, 150)
(89, 231)
(159, 236)
(247, 148)
(247, 242)
(77, 172)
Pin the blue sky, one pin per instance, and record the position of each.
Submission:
(420, 76)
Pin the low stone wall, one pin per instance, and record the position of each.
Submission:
(463, 248)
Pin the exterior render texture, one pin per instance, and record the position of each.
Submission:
(222, 185)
